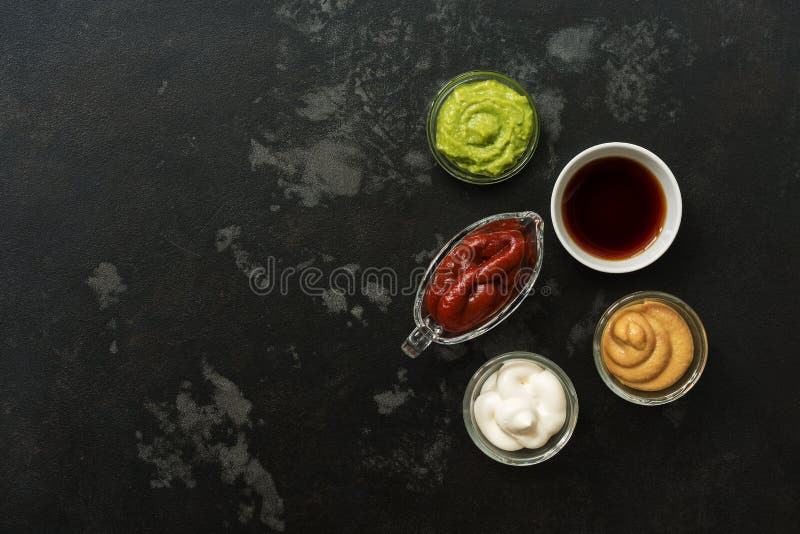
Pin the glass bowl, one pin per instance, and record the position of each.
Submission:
(433, 114)
(428, 331)
(689, 378)
(521, 457)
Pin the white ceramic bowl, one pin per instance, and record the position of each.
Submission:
(672, 193)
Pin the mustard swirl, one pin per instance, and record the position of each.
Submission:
(647, 346)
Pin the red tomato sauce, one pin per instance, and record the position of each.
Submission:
(479, 276)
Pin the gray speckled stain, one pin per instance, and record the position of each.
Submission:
(228, 238)
(419, 164)
(107, 284)
(574, 46)
(313, 18)
(549, 104)
(377, 294)
(390, 400)
(419, 458)
(322, 103)
(334, 300)
(214, 435)
(357, 311)
(292, 351)
(638, 56)
(312, 175)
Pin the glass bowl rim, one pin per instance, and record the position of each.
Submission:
(512, 305)
(699, 337)
(542, 453)
(432, 117)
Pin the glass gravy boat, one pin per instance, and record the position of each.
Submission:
(428, 331)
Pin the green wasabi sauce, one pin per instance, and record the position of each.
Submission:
(484, 127)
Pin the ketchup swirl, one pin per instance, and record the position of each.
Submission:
(477, 277)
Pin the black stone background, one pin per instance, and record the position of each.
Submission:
(97, 166)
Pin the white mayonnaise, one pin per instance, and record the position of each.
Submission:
(520, 406)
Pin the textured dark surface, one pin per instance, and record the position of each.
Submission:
(152, 156)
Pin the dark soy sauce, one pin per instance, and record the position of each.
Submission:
(614, 208)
